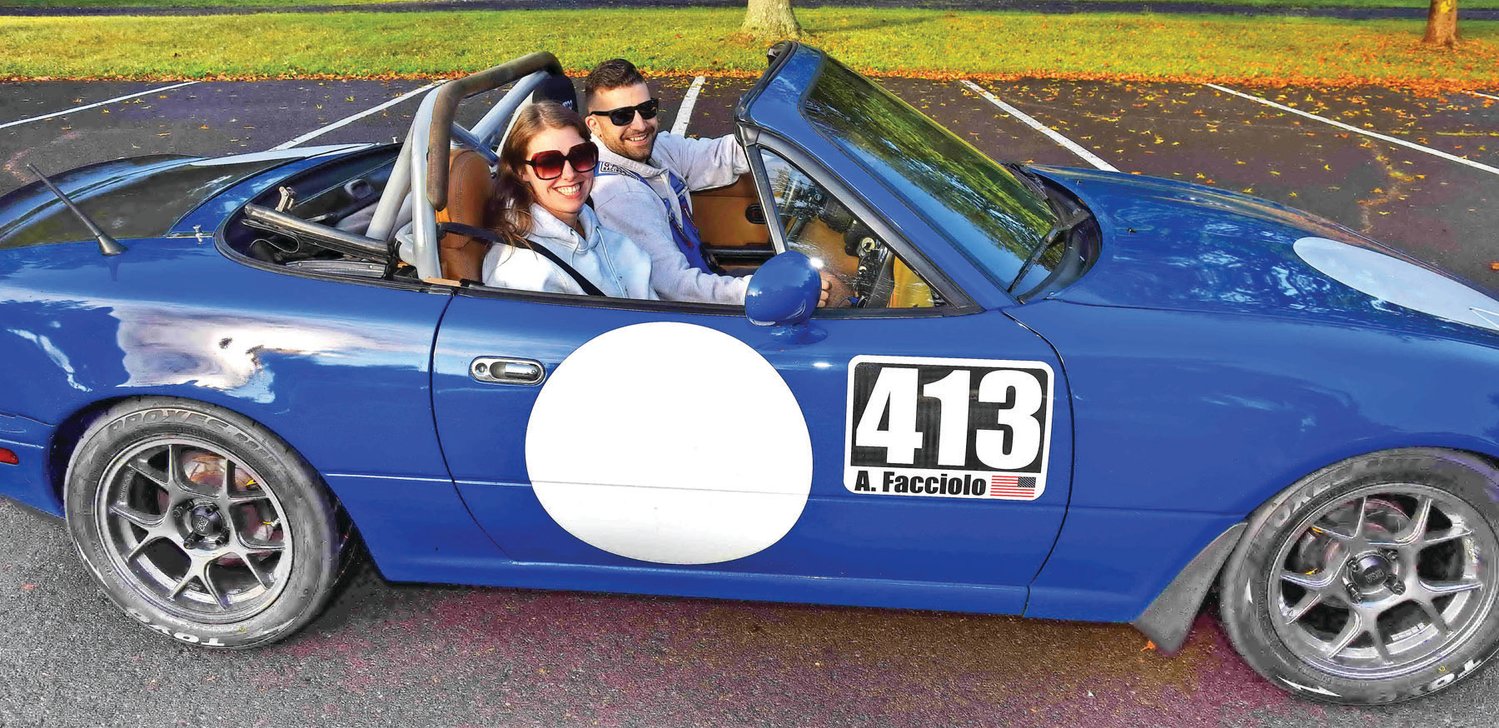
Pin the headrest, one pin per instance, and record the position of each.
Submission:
(551, 88)
(471, 186)
(556, 88)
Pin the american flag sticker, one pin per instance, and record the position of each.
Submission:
(1012, 486)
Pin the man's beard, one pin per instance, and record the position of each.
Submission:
(649, 150)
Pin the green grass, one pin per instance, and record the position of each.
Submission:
(1423, 4)
(907, 42)
(1469, 4)
(203, 3)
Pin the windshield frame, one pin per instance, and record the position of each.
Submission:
(958, 302)
(789, 85)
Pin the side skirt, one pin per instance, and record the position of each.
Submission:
(708, 584)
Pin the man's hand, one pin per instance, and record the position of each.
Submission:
(835, 292)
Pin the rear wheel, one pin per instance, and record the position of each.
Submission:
(1370, 582)
(201, 524)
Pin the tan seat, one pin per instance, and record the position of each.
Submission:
(471, 186)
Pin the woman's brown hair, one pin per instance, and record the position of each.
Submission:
(510, 210)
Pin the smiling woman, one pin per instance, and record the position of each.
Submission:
(555, 243)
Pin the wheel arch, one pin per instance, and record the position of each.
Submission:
(68, 437)
(1168, 618)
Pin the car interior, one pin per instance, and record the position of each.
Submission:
(318, 221)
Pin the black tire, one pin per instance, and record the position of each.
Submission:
(1283, 616)
(119, 478)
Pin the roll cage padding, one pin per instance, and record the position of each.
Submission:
(445, 107)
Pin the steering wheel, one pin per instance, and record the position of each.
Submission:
(874, 281)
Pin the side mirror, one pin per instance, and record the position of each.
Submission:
(783, 292)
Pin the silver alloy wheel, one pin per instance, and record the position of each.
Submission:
(1385, 581)
(198, 532)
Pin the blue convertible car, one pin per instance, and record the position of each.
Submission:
(1053, 392)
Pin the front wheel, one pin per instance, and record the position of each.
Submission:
(1370, 581)
(201, 524)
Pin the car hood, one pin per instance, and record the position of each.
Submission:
(1179, 246)
(130, 198)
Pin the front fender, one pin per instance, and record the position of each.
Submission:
(1187, 421)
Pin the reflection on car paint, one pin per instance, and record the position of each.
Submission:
(1175, 245)
(53, 353)
(226, 352)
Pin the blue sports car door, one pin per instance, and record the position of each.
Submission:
(901, 460)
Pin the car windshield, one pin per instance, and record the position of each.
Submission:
(995, 218)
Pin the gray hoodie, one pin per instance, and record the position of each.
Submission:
(607, 259)
(634, 209)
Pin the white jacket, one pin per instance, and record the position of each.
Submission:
(634, 209)
(606, 258)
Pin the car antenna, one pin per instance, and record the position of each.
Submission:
(107, 244)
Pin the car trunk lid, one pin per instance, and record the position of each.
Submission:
(128, 198)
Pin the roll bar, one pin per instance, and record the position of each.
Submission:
(418, 185)
(445, 106)
(351, 244)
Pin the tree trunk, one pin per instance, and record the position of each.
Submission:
(774, 19)
(1441, 24)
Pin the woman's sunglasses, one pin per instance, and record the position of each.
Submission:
(623, 115)
(548, 165)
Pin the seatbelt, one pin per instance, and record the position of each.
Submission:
(490, 236)
(684, 231)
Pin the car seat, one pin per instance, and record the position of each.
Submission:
(471, 185)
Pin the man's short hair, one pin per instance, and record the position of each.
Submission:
(613, 73)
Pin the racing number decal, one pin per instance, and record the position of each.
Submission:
(955, 428)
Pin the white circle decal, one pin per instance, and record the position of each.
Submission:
(1402, 283)
(670, 443)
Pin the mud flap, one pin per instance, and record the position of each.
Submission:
(1168, 619)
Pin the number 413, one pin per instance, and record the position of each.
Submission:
(895, 392)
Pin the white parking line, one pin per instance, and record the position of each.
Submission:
(684, 112)
(1365, 132)
(1487, 96)
(1070, 145)
(347, 120)
(126, 97)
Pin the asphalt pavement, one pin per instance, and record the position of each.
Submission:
(1419, 173)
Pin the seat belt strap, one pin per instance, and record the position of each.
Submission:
(684, 231)
(490, 236)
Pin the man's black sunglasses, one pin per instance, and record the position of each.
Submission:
(623, 115)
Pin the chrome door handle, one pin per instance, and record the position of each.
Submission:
(505, 370)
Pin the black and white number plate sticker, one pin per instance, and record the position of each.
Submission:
(954, 428)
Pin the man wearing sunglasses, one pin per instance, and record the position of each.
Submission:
(644, 179)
